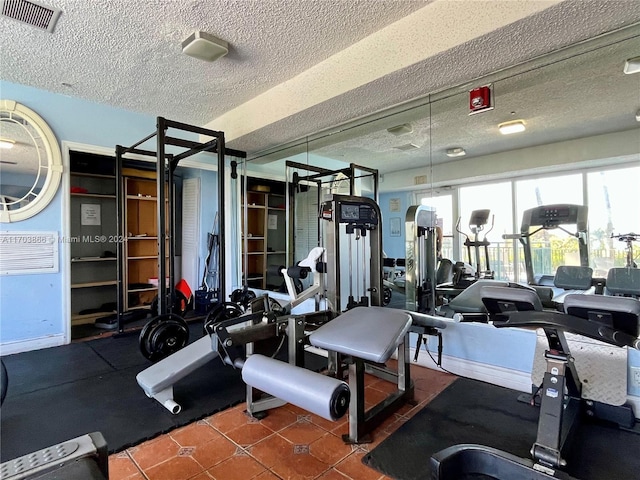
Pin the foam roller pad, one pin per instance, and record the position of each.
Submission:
(325, 396)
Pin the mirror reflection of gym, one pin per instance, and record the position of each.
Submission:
(30, 162)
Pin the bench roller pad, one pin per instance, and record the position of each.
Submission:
(325, 396)
(369, 333)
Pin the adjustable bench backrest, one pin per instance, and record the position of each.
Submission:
(509, 299)
(619, 313)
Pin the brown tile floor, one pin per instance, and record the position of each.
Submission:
(289, 443)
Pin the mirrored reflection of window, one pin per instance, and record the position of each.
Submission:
(497, 198)
(614, 209)
(444, 209)
(550, 248)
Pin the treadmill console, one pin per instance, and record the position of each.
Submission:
(550, 216)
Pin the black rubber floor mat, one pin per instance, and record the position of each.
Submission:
(469, 411)
(60, 393)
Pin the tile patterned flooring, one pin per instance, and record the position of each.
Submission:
(289, 443)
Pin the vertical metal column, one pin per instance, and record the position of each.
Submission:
(169, 209)
(162, 234)
(222, 277)
(120, 230)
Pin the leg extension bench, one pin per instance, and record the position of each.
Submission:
(369, 335)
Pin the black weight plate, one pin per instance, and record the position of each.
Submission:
(143, 338)
(163, 336)
(4, 382)
(222, 311)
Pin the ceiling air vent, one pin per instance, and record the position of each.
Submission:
(407, 147)
(31, 13)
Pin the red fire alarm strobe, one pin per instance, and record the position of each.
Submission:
(480, 99)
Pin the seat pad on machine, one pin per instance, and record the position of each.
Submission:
(369, 333)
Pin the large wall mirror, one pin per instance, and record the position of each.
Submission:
(30, 162)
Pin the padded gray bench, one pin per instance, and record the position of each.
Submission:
(372, 334)
(157, 380)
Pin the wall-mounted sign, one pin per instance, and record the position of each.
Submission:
(90, 214)
(394, 204)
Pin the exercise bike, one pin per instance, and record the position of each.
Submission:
(628, 238)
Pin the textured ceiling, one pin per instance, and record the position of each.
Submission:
(127, 54)
(583, 95)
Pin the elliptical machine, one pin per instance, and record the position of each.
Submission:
(462, 277)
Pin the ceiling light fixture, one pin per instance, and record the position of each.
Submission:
(204, 46)
(632, 65)
(400, 129)
(456, 152)
(507, 128)
(6, 144)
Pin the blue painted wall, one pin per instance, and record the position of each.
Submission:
(31, 305)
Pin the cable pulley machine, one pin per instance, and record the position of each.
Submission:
(352, 237)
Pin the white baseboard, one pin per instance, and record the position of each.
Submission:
(19, 346)
(504, 377)
(634, 401)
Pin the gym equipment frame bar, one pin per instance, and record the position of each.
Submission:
(166, 163)
(319, 176)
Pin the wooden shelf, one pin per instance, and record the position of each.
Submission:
(94, 284)
(139, 197)
(146, 289)
(94, 195)
(92, 259)
(77, 319)
(144, 257)
(260, 243)
(92, 175)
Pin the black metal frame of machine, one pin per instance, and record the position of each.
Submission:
(166, 163)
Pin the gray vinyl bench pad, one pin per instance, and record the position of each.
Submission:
(369, 333)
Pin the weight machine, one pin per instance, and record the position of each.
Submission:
(308, 187)
(352, 220)
(420, 259)
(612, 320)
(359, 340)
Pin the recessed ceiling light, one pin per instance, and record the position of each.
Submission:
(6, 143)
(507, 128)
(632, 65)
(456, 152)
(204, 46)
(400, 129)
